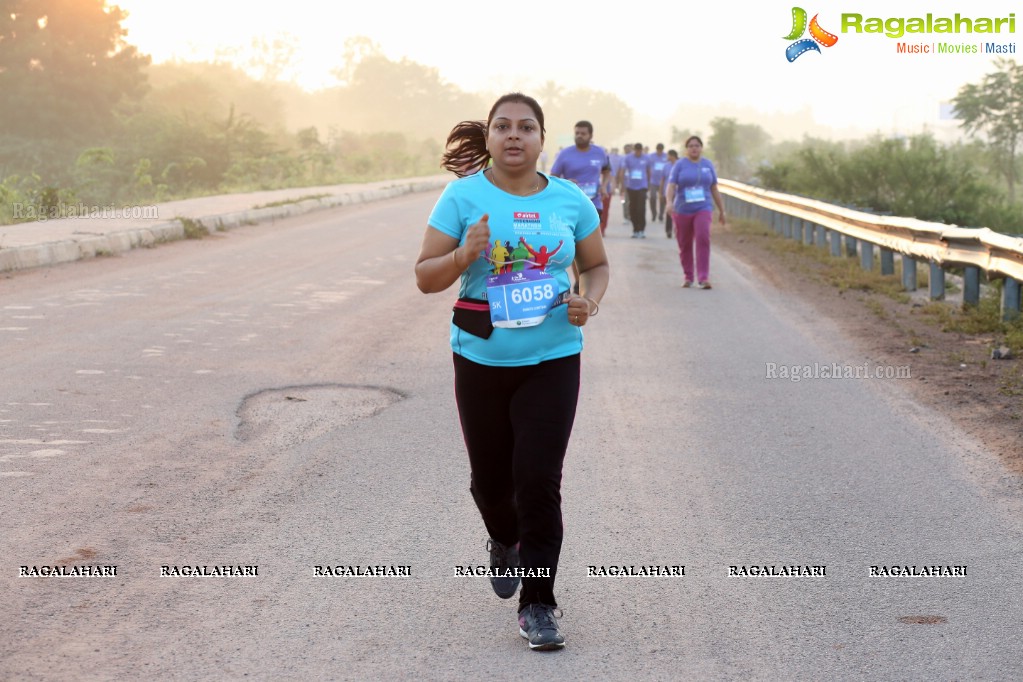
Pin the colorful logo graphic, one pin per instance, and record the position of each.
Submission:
(817, 35)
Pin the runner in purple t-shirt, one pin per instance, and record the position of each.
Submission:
(585, 164)
(693, 193)
(658, 164)
(634, 175)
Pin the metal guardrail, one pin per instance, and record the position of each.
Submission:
(976, 250)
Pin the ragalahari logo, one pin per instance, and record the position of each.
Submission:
(817, 35)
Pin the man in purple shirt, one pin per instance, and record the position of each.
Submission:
(658, 164)
(587, 165)
(634, 175)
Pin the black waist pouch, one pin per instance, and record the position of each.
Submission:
(473, 315)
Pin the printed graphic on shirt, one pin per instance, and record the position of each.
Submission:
(534, 253)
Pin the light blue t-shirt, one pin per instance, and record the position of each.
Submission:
(533, 232)
(690, 177)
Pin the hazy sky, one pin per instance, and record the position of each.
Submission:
(662, 56)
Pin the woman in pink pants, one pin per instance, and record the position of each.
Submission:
(692, 193)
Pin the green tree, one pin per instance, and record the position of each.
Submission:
(915, 177)
(995, 107)
(382, 95)
(679, 137)
(736, 148)
(64, 68)
(211, 89)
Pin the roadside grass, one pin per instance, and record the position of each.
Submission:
(845, 274)
(193, 228)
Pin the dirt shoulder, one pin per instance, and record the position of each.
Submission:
(949, 351)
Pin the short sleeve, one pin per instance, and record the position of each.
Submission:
(446, 215)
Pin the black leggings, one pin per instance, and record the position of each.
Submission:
(516, 422)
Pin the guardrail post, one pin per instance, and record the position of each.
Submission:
(850, 246)
(887, 262)
(797, 229)
(971, 286)
(776, 222)
(866, 255)
(822, 237)
(808, 229)
(937, 282)
(787, 225)
(1010, 300)
(836, 243)
(908, 273)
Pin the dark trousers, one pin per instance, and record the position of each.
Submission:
(657, 201)
(637, 209)
(516, 422)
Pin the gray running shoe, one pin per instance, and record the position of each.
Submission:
(537, 623)
(503, 558)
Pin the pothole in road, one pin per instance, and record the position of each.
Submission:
(283, 417)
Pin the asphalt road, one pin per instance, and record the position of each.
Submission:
(280, 397)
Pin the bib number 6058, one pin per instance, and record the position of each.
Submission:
(537, 292)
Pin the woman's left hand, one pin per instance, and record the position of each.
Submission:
(578, 310)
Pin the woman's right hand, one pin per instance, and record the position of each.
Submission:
(477, 240)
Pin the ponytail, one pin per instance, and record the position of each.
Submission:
(466, 149)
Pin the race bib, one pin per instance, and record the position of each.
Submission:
(636, 174)
(521, 299)
(589, 189)
(694, 194)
